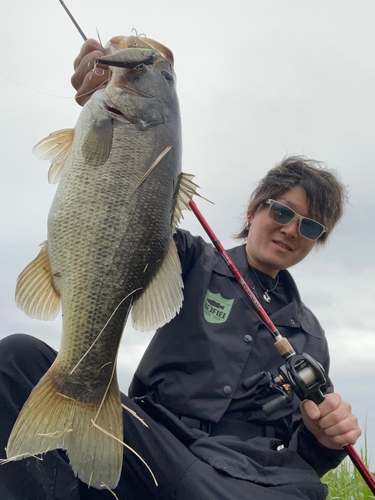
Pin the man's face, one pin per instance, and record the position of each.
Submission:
(271, 247)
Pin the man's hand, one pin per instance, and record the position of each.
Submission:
(332, 422)
(84, 79)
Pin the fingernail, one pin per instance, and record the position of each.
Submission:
(313, 414)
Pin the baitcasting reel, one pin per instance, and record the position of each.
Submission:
(301, 373)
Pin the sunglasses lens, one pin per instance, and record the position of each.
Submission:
(280, 213)
(311, 229)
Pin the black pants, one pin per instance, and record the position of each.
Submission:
(180, 474)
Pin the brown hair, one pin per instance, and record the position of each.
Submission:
(326, 195)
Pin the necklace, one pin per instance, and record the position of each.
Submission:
(266, 297)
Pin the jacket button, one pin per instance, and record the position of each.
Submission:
(292, 321)
(248, 338)
(227, 390)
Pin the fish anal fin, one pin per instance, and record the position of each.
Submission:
(55, 148)
(163, 296)
(35, 291)
(50, 420)
(97, 144)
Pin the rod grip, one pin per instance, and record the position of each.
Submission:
(284, 348)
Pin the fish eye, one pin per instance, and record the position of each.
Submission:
(167, 75)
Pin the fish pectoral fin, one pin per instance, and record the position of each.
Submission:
(162, 298)
(91, 433)
(54, 173)
(184, 192)
(55, 148)
(35, 291)
(97, 144)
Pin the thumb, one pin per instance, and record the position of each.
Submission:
(310, 409)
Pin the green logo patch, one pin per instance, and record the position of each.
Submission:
(216, 309)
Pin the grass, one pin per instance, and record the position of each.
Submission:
(346, 483)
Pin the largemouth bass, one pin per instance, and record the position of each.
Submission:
(109, 250)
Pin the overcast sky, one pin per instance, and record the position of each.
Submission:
(257, 80)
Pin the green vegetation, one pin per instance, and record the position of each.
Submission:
(346, 483)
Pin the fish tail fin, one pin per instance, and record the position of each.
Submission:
(91, 433)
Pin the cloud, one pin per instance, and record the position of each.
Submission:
(256, 81)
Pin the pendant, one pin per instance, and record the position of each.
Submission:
(266, 297)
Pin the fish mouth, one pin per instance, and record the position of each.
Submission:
(121, 76)
(113, 110)
(125, 79)
(109, 105)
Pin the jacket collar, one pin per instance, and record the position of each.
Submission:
(239, 259)
(293, 315)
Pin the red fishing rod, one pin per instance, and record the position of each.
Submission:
(300, 373)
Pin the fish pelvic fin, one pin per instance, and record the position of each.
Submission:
(50, 420)
(162, 298)
(55, 148)
(35, 291)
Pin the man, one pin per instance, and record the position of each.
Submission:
(207, 436)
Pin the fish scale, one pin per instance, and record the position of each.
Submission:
(109, 249)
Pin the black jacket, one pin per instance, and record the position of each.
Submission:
(195, 365)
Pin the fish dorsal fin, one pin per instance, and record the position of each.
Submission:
(162, 298)
(97, 143)
(35, 292)
(186, 189)
(55, 148)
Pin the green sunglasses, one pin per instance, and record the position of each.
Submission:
(281, 214)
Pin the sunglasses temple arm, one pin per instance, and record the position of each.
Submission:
(281, 343)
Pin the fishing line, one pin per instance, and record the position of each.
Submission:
(52, 95)
(35, 90)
